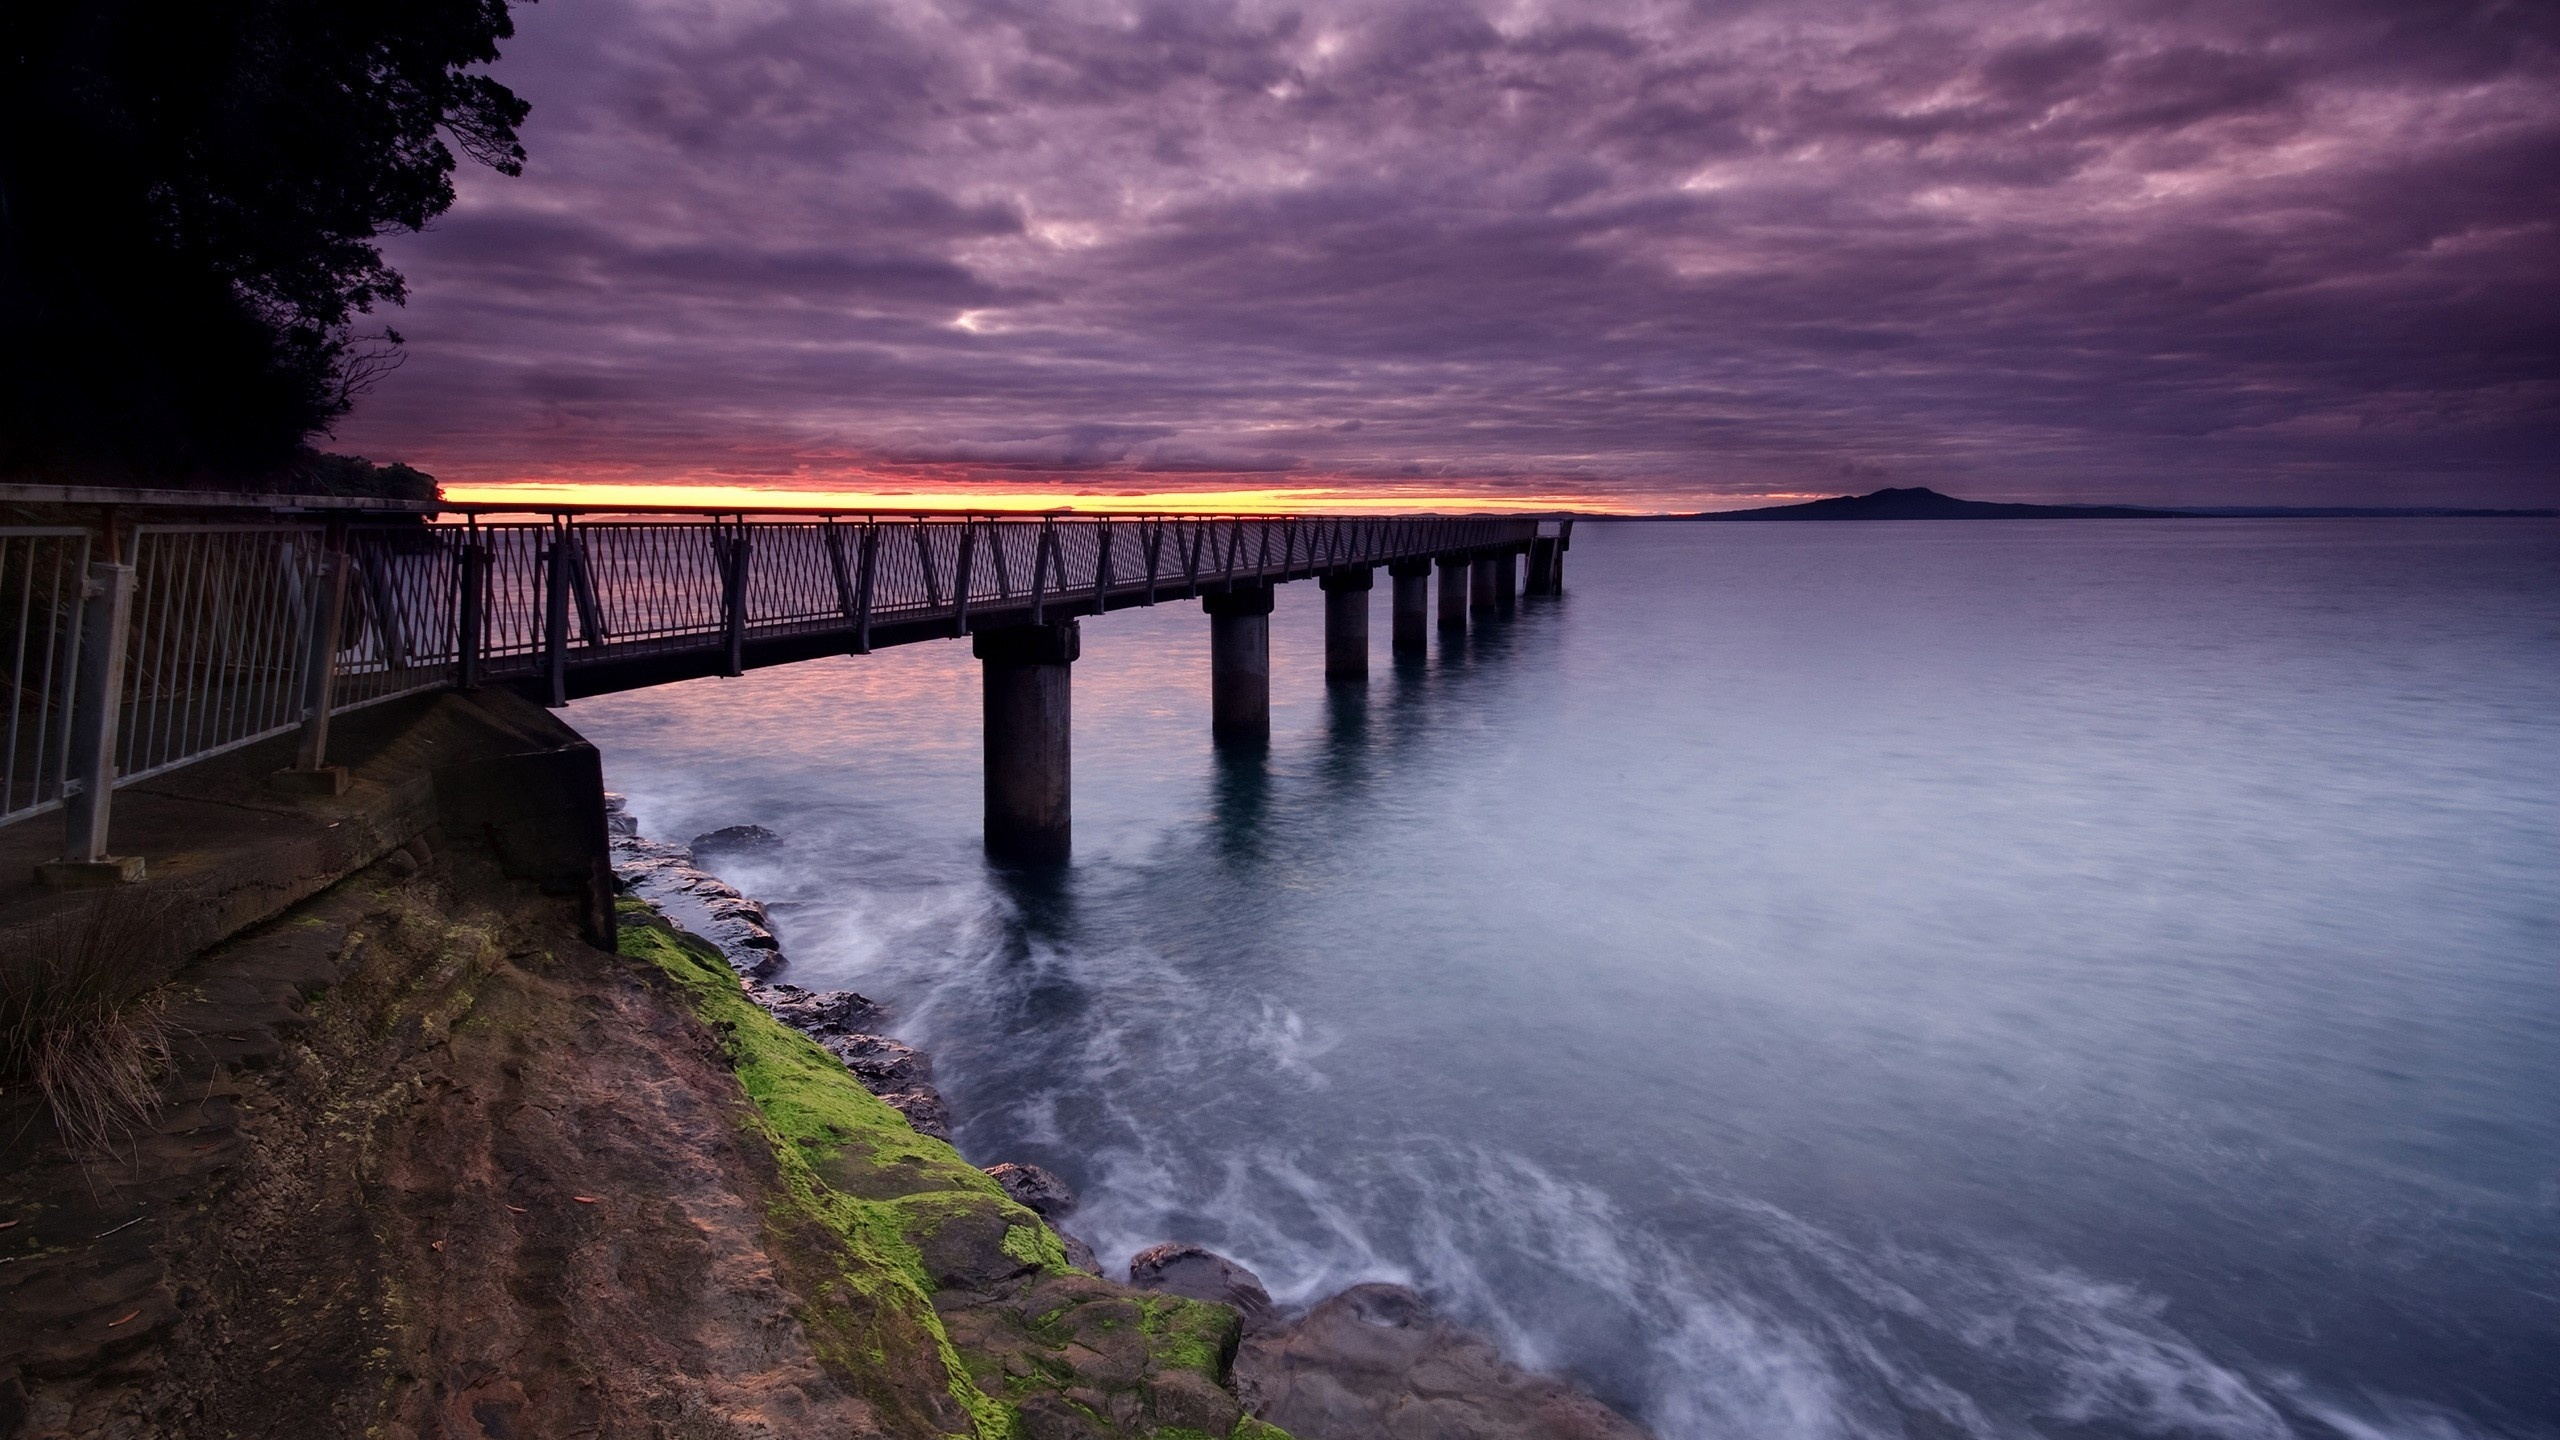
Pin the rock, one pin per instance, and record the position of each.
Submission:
(1376, 1362)
(881, 1063)
(1200, 1274)
(923, 1107)
(710, 907)
(734, 840)
(1047, 1417)
(1034, 1188)
(1079, 1254)
(618, 819)
(1185, 1400)
(818, 1014)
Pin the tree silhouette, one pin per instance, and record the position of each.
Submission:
(189, 199)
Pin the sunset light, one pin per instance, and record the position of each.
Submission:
(1272, 500)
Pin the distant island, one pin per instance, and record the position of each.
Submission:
(1920, 503)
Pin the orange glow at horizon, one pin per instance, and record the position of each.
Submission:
(1264, 500)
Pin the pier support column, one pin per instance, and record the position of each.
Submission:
(1026, 716)
(1412, 607)
(1240, 665)
(1506, 582)
(1453, 594)
(1542, 559)
(1346, 623)
(1480, 586)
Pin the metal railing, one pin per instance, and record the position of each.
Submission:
(43, 570)
(221, 645)
(553, 596)
(182, 641)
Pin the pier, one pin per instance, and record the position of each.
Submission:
(144, 631)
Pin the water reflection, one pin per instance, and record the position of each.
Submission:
(1239, 801)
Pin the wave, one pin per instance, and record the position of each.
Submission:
(1170, 1095)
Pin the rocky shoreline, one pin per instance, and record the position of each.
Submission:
(1371, 1362)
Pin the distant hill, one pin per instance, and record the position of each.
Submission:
(1917, 503)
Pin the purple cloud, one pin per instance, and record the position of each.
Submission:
(2281, 252)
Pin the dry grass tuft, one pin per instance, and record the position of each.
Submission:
(84, 1016)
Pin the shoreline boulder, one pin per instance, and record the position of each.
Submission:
(1376, 1362)
(1197, 1273)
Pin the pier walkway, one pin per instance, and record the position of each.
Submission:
(145, 631)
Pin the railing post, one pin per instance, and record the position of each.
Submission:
(472, 612)
(735, 601)
(1155, 547)
(862, 591)
(1101, 565)
(995, 552)
(837, 566)
(582, 586)
(311, 770)
(924, 556)
(1040, 552)
(960, 578)
(106, 620)
(555, 615)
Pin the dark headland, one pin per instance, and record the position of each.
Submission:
(1920, 503)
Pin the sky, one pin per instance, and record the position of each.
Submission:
(1644, 256)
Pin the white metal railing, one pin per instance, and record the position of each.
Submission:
(43, 570)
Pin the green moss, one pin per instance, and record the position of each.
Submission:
(807, 1097)
(1036, 1245)
(1188, 1334)
(1249, 1428)
(881, 1326)
(860, 1201)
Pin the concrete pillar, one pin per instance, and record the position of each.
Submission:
(1412, 606)
(1453, 594)
(1027, 717)
(1480, 588)
(1506, 582)
(1346, 622)
(1240, 665)
(1542, 559)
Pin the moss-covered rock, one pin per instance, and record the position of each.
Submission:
(944, 1303)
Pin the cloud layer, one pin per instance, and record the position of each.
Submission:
(2301, 251)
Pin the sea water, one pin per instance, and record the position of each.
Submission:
(1961, 979)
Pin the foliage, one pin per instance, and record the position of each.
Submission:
(316, 472)
(84, 1015)
(190, 197)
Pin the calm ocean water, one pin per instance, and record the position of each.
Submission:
(1826, 980)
